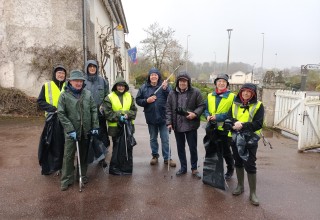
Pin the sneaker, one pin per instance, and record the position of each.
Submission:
(172, 163)
(154, 160)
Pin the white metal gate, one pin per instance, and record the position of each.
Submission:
(299, 114)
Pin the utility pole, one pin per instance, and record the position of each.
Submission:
(187, 54)
(229, 36)
(262, 54)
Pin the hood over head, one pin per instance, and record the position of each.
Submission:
(57, 68)
(183, 75)
(120, 81)
(253, 88)
(154, 70)
(93, 62)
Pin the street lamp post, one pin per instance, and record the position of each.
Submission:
(187, 54)
(229, 36)
(262, 54)
(215, 62)
(252, 78)
(275, 61)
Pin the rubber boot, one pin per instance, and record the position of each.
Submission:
(252, 179)
(240, 176)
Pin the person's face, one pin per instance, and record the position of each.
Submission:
(221, 84)
(60, 75)
(183, 84)
(120, 88)
(76, 83)
(92, 69)
(154, 78)
(246, 94)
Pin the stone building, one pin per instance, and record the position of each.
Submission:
(93, 27)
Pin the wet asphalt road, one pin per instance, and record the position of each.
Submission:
(288, 184)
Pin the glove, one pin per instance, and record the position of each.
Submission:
(73, 135)
(95, 131)
(123, 118)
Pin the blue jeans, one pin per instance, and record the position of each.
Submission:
(191, 137)
(164, 136)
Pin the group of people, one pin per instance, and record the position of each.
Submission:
(84, 106)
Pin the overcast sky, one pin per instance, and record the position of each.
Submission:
(291, 29)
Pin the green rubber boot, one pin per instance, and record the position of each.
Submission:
(240, 176)
(252, 179)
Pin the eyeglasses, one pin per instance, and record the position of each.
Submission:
(92, 66)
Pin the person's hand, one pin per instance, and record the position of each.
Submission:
(123, 118)
(191, 115)
(73, 135)
(211, 118)
(101, 109)
(151, 99)
(169, 128)
(164, 85)
(95, 132)
(237, 126)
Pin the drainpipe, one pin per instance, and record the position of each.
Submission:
(84, 23)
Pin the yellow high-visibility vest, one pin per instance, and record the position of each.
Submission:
(117, 106)
(246, 116)
(224, 106)
(52, 93)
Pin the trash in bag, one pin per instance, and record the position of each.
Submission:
(51, 145)
(122, 157)
(243, 140)
(46, 137)
(213, 171)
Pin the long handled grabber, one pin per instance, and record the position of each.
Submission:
(79, 164)
(180, 64)
(265, 140)
(169, 155)
(125, 139)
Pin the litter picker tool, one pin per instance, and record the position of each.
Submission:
(169, 154)
(79, 164)
(180, 64)
(265, 140)
(125, 139)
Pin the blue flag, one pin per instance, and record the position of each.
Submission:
(133, 55)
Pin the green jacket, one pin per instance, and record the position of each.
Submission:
(113, 116)
(77, 114)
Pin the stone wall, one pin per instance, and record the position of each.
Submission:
(25, 24)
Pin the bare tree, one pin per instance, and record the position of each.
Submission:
(160, 47)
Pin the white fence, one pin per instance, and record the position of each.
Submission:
(299, 114)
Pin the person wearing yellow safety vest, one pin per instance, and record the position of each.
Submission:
(51, 154)
(217, 106)
(118, 107)
(246, 114)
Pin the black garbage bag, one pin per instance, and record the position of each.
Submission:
(213, 171)
(51, 145)
(122, 157)
(243, 140)
(96, 149)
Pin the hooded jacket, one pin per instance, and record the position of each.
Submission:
(257, 120)
(190, 100)
(43, 104)
(77, 112)
(98, 86)
(113, 116)
(155, 113)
